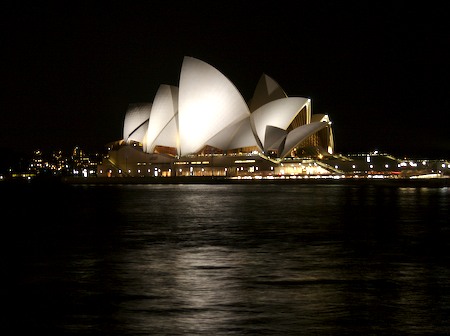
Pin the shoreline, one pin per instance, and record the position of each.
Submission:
(400, 182)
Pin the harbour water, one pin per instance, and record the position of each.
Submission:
(202, 259)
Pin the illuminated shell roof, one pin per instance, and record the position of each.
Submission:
(236, 135)
(208, 103)
(296, 136)
(278, 113)
(136, 121)
(162, 128)
(207, 109)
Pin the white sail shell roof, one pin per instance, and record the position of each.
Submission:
(208, 103)
(168, 136)
(278, 113)
(296, 136)
(244, 136)
(237, 135)
(161, 130)
(207, 109)
(139, 134)
(135, 117)
(274, 138)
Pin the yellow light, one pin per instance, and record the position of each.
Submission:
(244, 161)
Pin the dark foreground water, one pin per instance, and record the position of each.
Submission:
(225, 260)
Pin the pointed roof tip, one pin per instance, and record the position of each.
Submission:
(271, 84)
(266, 90)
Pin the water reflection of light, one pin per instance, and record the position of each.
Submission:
(206, 291)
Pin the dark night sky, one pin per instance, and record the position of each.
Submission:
(381, 71)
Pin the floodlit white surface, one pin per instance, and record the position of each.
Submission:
(301, 133)
(244, 136)
(164, 109)
(168, 136)
(139, 134)
(223, 138)
(278, 113)
(237, 135)
(208, 103)
(135, 116)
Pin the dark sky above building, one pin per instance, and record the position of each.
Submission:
(380, 70)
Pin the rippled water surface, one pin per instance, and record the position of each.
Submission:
(225, 260)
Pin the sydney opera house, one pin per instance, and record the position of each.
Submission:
(204, 127)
